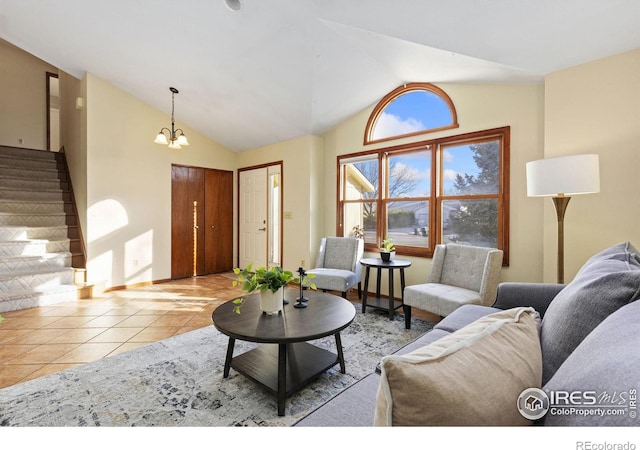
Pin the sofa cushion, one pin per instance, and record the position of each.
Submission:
(605, 363)
(470, 377)
(333, 279)
(606, 282)
(463, 316)
(440, 299)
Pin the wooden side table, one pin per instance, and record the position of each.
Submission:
(387, 304)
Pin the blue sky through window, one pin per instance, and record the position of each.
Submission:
(411, 112)
(421, 110)
(458, 159)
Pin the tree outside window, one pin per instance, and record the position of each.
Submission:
(447, 190)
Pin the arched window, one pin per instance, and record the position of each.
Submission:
(408, 110)
(424, 192)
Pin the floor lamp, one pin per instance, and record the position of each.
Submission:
(560, 178)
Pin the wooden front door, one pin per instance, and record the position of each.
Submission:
(201, 221)
(218, 221)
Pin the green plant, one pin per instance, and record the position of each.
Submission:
(358, 232)
(262, 280)
(387, 245)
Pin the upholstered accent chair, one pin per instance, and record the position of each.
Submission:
(338, 265)
(460, 274)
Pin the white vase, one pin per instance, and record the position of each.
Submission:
(271, 302)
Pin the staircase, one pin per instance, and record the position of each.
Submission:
(41, 255)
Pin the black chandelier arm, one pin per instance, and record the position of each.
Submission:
(174, 134)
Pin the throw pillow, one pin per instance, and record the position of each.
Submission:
(470, 377)
(607, 281)
(605, 370)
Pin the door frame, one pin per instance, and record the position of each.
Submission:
(49, 76)
(269, 206)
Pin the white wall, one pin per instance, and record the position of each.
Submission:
(595, 108)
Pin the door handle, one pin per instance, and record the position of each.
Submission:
(262, 229)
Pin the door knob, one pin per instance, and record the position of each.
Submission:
(262, 229)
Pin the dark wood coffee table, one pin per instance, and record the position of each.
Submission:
(292, 362)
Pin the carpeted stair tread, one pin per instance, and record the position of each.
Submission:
(33, 219)
(17, 206)
(14, 263)
(40, 271)
(18, 232)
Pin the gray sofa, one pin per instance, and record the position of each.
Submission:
(589, 345)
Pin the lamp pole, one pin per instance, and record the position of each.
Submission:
(560, 202)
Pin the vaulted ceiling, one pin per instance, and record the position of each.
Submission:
(278, 69)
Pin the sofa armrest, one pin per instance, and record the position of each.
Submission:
(536, 295)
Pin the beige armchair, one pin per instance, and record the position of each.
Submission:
(460, 274)
(338, 265)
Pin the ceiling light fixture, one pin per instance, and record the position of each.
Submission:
(177, 137)
(233, 5)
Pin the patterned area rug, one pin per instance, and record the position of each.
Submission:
(178, 382)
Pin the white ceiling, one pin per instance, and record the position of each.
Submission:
(279, 69)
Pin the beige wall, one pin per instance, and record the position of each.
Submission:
(302, 192)
(595, 108)
(128, 232)
(23, 115)
(479, 106)
(122, 179)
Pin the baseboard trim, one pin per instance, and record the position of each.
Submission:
(136, 285)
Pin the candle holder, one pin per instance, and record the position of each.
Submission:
(301, 300)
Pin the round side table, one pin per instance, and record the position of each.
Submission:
(389, 304)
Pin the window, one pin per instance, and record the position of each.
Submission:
(452, 189)
(410, 110)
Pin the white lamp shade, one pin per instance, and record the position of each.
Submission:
(566, 175)
(161, 139)
(174, 145)
(182, 140)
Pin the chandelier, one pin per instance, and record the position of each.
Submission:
(176, 138)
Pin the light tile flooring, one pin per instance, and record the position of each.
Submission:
(38, 341)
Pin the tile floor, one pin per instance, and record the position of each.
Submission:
(38, 341)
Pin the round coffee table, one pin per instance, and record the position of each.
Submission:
(293, 362)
